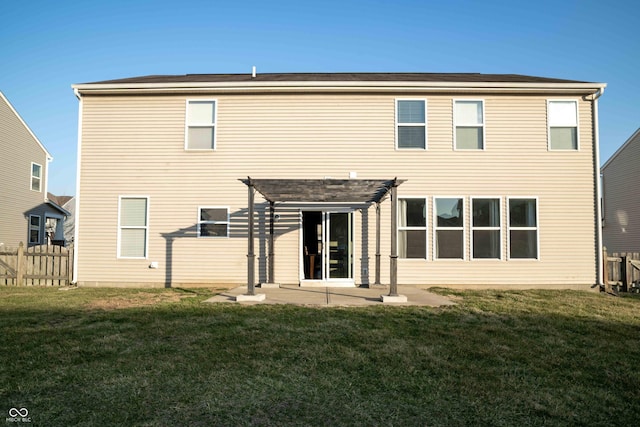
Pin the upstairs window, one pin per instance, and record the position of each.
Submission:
(411, 123)
(523, 228)
(213, 222)
(468, 122)
(449, 228)
(562, 117)
(201, 125)
(133, 227)
(36, 177)
(412, 228)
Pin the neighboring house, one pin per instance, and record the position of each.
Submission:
(70, 223)
(27, 215)
(621, 198)
(68, 203)
(496, 180)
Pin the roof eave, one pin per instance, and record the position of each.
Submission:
(333, 86)
(59, 208)
(33, 135)
(620, 150)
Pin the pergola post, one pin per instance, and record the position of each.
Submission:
(393, 282)
(377, 282)
(251, 256)
(272, 210)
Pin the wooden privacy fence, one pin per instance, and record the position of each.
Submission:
(36, 266)
(622, 271)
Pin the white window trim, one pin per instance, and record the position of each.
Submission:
(575, 101)
(436, 229)
(227, 222)
(187, 125)
(475, 125)
(146, 227)
(499, 228)
(536, 228)
(426, 222)
(398, 124)
(39, 242)
(39, 190)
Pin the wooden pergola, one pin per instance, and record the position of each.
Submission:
(355, 191)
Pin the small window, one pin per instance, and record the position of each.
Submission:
(412, 228)
(485, 228)
(563, 125)
(36, 177)
(34, 229)
(201, 125)
(213, 222)
(133, 227)
(411, 123)
(523, 228)
(449, 228)
(468, 119)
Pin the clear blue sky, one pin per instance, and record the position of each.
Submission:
(45, 46)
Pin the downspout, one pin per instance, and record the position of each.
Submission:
(596, 164)
(74, 278)
(46, 178)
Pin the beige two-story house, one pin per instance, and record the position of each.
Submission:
(26, 214)
(495, 179)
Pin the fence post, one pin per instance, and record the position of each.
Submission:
(605, 270)
(628, 271)
(70, 265)
(20, 265)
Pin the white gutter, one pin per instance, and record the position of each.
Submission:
(329, 86)
(596, 163)
(76, 246)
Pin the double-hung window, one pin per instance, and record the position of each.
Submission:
(34, 229)
(36, 177)
(468, 123)
(133, 227)
(562, 118)
(412, 228)
(523, 228)
(485, 228)
(411, 123)
(201, 125)
(449, 229)
(213, 222)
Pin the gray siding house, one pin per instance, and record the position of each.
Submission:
(621, 198)
(26, 214)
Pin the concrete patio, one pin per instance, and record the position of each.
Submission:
(334, 297)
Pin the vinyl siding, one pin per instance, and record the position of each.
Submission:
(621, 195)
(134, 145)
(18, 149)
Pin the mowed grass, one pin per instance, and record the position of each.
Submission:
(102, 357)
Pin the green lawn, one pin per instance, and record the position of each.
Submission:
(160, 357)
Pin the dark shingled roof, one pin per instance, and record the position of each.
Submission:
(342, 77)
